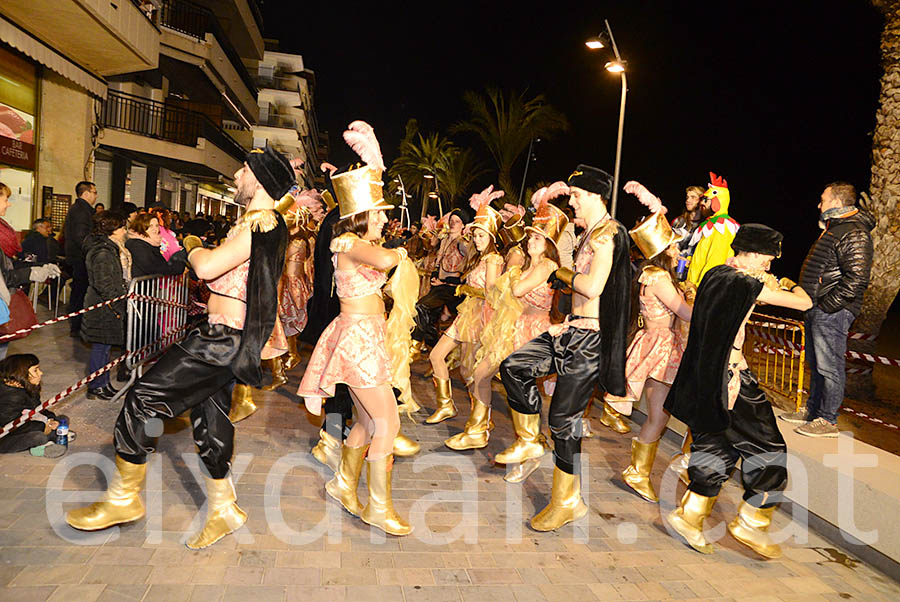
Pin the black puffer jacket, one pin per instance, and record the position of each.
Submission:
(835, 273)
(105, 324)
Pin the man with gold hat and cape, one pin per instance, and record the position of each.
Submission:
(198, 373)
(586, 350)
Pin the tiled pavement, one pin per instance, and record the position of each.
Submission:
(621, 551)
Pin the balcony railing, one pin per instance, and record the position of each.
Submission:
(279, 82)
(159, 120)
(196, 21)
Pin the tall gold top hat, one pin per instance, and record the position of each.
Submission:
(360, 188)
(550, 222)
(653, 235)
(489, 220)
(513, 231)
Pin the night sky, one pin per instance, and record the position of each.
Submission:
(778, 97)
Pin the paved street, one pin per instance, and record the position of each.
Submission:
(472, 541)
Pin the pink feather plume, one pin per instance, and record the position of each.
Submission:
(360, 136)
(542, 196)
(647, 198)
(484, 198)
(429, 223)
(312, 200)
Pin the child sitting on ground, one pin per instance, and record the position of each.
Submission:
(20, 389)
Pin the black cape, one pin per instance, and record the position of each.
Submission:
(324, 305)
(267, 251)
(699, 395)
(615, 314)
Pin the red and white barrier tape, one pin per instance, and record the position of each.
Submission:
(872, 419)
(56, 320)
(761, 334)
(875, 359)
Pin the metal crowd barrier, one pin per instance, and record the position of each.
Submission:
(775, 348)
(157, 317)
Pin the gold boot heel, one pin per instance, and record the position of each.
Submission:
(565, 504)
(476, 433)
(120, 504)
(327, 451)
(529, 443)
(346, 479)
(405, 447)
(278, 376)
(223, 515)
(637, 475)
(444, 396)
(293, 356)
(379, 511)
(687, 520)
(242, 404)
(750, 527)
(613, 420)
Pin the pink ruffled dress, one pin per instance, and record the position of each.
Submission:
(477, 278)
(296, 288)
(352, 348)
(655, 352)
(535, 320)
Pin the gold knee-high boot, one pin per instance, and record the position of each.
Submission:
(223, 516)
(586, 431)
(346, 479)
(680, 461)
(293, 356)
(477, 430)
(446, 409)
(565, 504)
(242, 404)
(120, 504)
(687, 520)
(750, 527)
(404, 447)
(613, 420)
(529, 443)
(276, 364)
(379, 511)
(637, 475)
(327, 450)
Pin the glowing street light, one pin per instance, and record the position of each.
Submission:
(616, 66)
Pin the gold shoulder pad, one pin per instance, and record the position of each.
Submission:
(261, 220)
(494, 258)
(604, 233)
(652, 274)
(344, 242)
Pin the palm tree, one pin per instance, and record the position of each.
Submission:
(506, 124)
(884, 195)
(458, 172)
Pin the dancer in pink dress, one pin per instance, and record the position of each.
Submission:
(653, 357)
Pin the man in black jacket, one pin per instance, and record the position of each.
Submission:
(835, 274)
(78, 225)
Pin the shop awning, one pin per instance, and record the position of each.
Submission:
(40, 52)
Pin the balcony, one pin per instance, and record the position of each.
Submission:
(105, 38)
(175, 133)
(279, 82)
(242, 21)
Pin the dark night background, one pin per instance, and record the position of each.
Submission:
(778, 97)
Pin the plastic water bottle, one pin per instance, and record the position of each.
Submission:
(62, 432)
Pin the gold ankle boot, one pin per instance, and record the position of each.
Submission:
(293, 356)
(120, 504)
(637, 475)
(346, 479)
(613, 420)
(529, 443)
(682, 460)
(417, 350)
(276, 364)
(242, 404)
(476, 433)
(565, 504)
(379, 511)
(327, 450)
(750, 527)
(223, 516)
(405, 447)
(522, 471)
(443, 395)
(687, 520)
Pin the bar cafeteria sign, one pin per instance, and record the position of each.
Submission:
(17, 153)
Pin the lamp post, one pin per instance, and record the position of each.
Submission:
(616, 66)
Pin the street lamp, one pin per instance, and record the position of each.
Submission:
(616, 66)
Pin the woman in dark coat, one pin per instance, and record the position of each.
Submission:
(20, 389)
(144, 243)
(104, 326)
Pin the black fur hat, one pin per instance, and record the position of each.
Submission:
(592, 179)
(758, 238)
(272, 170)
